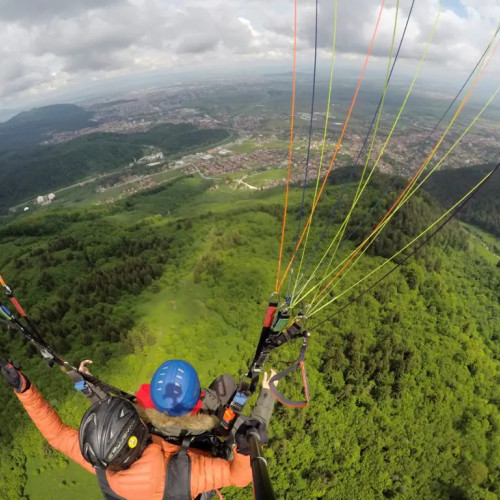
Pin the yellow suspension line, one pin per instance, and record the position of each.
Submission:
(419, 172)
(339, 142)
(373, 236)
(412, 192)
(332, 63)
(316, 310)
(343, 227)
(360, 189)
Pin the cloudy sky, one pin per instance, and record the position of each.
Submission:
(51, 47)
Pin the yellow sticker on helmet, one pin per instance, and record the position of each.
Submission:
(132, 442)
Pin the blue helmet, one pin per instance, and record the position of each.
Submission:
(175, 388)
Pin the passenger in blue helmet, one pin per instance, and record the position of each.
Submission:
(175, 391)
(175, 388)
(175, 406)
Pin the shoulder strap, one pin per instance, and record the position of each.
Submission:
(178, 479)
(210, 402)
(108, 493)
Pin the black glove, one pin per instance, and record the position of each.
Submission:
(245, 427)
(13, 376)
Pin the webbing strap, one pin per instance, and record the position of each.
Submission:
(108, 493)
(18, 307)
(274, 380)
(178, 478)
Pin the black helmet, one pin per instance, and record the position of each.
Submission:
(112, 435)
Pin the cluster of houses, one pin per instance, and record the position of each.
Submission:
(45, 199)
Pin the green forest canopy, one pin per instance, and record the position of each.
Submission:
(447, 186)
(404, 383)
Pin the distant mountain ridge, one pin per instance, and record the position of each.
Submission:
(29, 128)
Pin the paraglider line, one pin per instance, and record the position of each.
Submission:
(407, 192)
(415, 250)
(301, 212)
(465, 83)
(418, 147)
(356, 163)
(325, 130)
(346, 122)
(290, 147)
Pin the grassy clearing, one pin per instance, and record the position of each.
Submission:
(261, 178)
(245, 147)
(87, 194)
(486, 245)
(59, 479)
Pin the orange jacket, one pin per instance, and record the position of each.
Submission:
(145, 479)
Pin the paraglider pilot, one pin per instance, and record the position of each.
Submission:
(114, 443)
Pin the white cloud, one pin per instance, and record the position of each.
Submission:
(62, 42)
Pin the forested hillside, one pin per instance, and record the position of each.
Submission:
(404, 383)
(447, 184)
(38, 170)
(30, 127)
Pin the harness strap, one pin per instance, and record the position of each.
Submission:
(178, 478)
(240, 419)
(108, 493)
(274, 380)
(210, 402)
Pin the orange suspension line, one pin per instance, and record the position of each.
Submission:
(290, 147)
(414, 178)
(346, 122)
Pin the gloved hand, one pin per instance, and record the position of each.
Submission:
(13, 376)
(241, 434)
